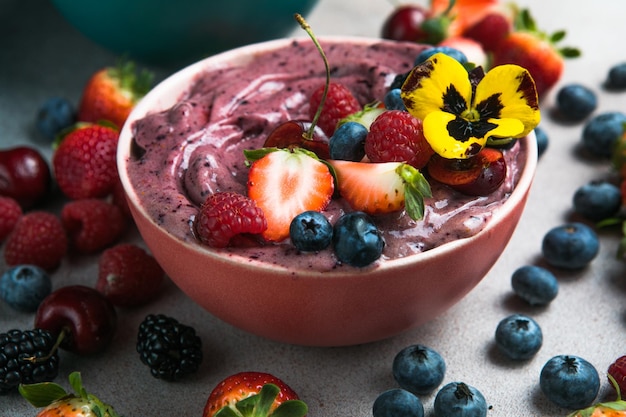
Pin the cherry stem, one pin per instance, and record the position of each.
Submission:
(60, 338)
(309, 133)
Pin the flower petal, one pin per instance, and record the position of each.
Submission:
(453, 137)
(508, 92)
(441, 83)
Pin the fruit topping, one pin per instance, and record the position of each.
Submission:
(24, 287)
(56, 402)
(112, 92)
(26, 357)
(170, 349)
(84, 161)
(457, 399)
(253, 394)
(348, 142)
(617, 371)
(38, 238)
(286, 183)
(311, 231)
(82, 317)
(418, 369)
(570, 246)
(128, 276)
(569, 381)
(518, 337)
(356, 239)
(299, 134)
(24, 176)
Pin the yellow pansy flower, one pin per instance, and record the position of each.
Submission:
(461, 110)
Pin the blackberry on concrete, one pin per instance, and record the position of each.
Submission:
(170, 349)
(27, 357)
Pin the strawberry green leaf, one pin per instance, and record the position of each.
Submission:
(291, 408)
(416, 187)
(226, 411)
(569, 52)
(42, 394)
(266, 398)
(256, 154)
(557, 36)
(76, 382)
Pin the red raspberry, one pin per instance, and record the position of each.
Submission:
(84, 163)
(119, 198)
(339, 103)
(129, 276)
(92, 224)
(396, 136)
(617, 370)
(225, 215)
(38, 238)
(10, 212)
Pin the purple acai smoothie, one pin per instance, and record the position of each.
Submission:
(195, 148)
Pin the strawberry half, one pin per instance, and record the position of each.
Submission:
(112, 92)
(255, 394)
(380, 188)
(285, 183)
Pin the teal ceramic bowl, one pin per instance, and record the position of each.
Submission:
(174, 33)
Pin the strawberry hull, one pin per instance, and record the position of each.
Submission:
(191, 143)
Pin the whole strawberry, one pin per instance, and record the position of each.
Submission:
(128, 276)
(38, 238)
(56, 402)
(255, 394)
(84, 162)
(339, 103)
(92, 224)
(536, 51)
(112, 92)
(10, 212)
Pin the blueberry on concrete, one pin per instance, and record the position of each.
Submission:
(310, 231)
(576, 101)
(535, 285)
(597, 200)
(356, 239)
(569, 381)
(348, 142)
(570, 246)
(24, 287)
(458, 399)
(518, 337)
(601, 133)
(617, 76)
(397, 402)
(54, 115)
(542, 140)
(418, 369)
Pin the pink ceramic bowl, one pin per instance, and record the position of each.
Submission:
(318, 308)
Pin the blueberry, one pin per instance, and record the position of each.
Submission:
(535, 285)
(54, 115)
(617, 76)
(570, 246)
(576, 101)
(397, 402)
(348, 142)
(518, 337)
(393, 100)
(542, 140)
(356, 239)
(458, 399)
(24, 287)
(451, 52)
(601, 133)
(569, 381)
(418, 369)
(310, 231)
(597, 200)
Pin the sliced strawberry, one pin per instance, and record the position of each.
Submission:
(286, 183)
(379, 188)
(257, 394)
(112, 92)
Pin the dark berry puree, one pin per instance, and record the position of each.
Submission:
(196, 147)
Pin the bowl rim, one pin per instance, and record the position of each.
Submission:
(177, 83)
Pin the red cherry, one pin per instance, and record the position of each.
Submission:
(405, 24)
(291, 134)
(479, 175)
(87, 319)
(24, 175)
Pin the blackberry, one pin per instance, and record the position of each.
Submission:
(170, 349)
(16, 349)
